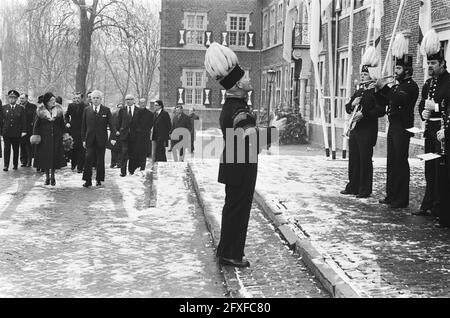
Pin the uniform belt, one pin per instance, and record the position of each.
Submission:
(434, 119)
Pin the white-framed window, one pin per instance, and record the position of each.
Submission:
(194, 81)
(342, 84)
(264, 89)
(265, 29)
(278, 79)
(272, 26)
(280, 22)
(322, 81)
(287, 85)
(195, 25)
(237, 27)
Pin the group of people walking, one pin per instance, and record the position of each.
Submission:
(135, 134)
(374, 99)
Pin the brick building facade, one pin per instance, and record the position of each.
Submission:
(254, 29)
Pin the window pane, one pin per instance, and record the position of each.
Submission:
(190, 21)
(198, 79)
(189, 96)
(233, 38)
(198, 96)
(200, 22)
(242, 38)
(189, 80)
(233, 23)
(200, 35)
(242, 23)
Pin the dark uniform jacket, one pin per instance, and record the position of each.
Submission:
(13, 122)
(74, 116)
(30, 114)
(401, 100)
(230, 171)
(161, 126)
(371, 111)
(94, 126)
(439, 90)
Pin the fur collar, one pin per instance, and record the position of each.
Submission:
(43, 113)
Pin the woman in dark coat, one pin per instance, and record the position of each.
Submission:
(49, 124)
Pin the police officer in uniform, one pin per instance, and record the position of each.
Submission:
(239, 177)
(13, 127)
(435, 90)
(363, 135)
(401, 100)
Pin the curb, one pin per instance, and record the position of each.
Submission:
(232, 282)
(321, 266)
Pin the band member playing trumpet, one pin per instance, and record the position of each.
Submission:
(435, 109)
(400, 100)
(362, 131)
(434, 91)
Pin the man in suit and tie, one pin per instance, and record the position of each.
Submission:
(161, 131)
(26, 153)
(95, 121)
(13, 127)
(73, 118)
(129, 130)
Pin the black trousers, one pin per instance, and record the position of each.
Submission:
(115, 158)
(95, 156)
(443, 176)
(13, 142)
(26, 152)
(360, 165)
(128, 157)
(159, 151)
(78, 156)
(397, 185)
(235, 216)
(432, 145)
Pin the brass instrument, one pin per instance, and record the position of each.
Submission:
(443, 126)
(375, 80)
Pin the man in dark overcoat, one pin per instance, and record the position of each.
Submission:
(180, 120)
(13, 127)
(74, 116)
(129, 133)
(161, 132)
(94, 134)
(26, 153)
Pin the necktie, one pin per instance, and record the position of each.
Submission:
(129, 111)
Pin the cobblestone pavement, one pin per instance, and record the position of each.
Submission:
(275, 271)
(385, 253)
(68, 241)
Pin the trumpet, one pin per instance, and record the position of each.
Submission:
(375, 80)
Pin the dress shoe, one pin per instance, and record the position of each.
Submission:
(53, 181)
(15, 168)
(234, 262)
(384, 201)
(123, 174)
(87, 184)
(346, 192)
(47, 181)
(5, 169)
(98, 183)
(142, 169)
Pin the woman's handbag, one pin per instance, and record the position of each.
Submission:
(35, 139)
